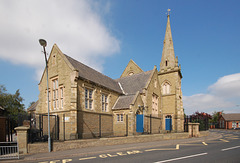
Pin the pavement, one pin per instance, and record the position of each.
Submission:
(94, 150)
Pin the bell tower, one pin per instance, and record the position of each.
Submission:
(169, 77)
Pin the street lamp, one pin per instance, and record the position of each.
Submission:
(43, 43)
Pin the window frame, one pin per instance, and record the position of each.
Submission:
(166, 88)
(61, 97)
(155, 100)
(88, 98)
(120, 117)
(104, 102)
(55, 94)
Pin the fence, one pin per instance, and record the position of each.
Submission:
(95, 125)
(39, 128)
(9, 123)
(9, 150)
(203, 122)
(152, 124)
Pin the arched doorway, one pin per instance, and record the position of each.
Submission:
(139, 122)
(168, 123)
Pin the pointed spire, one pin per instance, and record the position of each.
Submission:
(168, 56)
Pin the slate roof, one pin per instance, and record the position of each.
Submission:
(123, 102)
(132, 84)
(231, 117)
(33, 107)
(92, 75)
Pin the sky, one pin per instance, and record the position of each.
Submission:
(105, 35)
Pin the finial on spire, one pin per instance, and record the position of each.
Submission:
(168, 12)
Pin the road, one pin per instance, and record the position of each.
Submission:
(226, 149)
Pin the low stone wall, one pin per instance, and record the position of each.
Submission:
(204, 133)
(82, 143)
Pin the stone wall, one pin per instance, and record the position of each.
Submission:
(152, 124)
(93, 125)
(73, 144)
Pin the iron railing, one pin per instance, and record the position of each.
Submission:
(9, 150)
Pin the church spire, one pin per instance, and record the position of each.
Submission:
(168, 57)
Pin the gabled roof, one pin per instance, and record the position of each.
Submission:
(94, 76)
(132, 67)
(124, 102)
(134, 83)
(231, 117)
(33, 106)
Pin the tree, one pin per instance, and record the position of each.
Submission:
(12, 103)
(215, 118)
(202, 118)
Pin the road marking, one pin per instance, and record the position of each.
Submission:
(163, 149)
(87, 158)
(226, 149)
(224, 140)
(66, 160)
(54, 161)
(204, 143)
(120, 154)
(177, 146)
(180, 158)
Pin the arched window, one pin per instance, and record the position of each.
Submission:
(166, 63)
(166, 88)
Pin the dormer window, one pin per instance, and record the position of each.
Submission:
(166, 63)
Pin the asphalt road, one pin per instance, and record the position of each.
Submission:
(226, 149)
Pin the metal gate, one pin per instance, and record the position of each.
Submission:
(9, 150)
(39, 128)
(139, 125)
(54, 126)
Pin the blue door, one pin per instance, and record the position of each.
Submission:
(168, 124)
(139, 126)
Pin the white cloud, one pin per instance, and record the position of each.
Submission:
(75, 26)
(227, 86)
(222, 95)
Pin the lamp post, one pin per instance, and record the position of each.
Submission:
(43, 43)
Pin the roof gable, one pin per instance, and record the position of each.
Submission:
(231, 117)
(33, 106)
(134, 83)
(132, 68)
(56, 50)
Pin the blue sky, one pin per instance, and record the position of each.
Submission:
(106, 34)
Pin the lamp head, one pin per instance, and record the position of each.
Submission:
(43, 42)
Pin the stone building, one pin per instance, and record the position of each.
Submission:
(90, 104)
